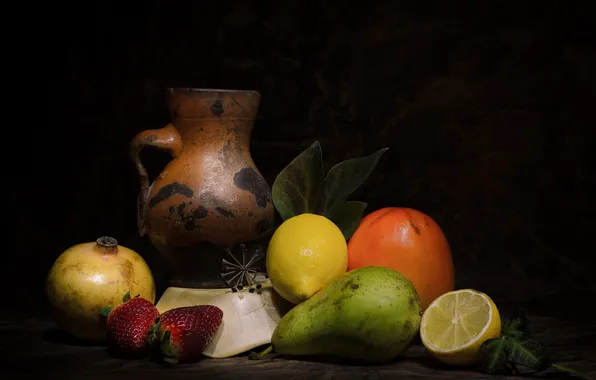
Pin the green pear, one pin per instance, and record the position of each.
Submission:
(370, 314)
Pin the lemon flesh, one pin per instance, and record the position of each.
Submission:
(456, 324)
(305, 254)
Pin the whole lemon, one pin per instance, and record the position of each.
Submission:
(305, 254)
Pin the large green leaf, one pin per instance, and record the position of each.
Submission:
(296, 188)
(348, 217)
(571, 372)
(517, 348)
(495, 353)
(343, 179)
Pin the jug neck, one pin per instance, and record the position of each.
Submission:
(214, 128)
(206, 104)
(213, 113)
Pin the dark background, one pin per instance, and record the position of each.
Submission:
(487, 107)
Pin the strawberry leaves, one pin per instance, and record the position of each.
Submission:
(127, 297)
(516, 347)
(106, 310)
(170, 354)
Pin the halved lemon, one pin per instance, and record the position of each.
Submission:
(455, 325)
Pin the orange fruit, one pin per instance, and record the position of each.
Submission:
(408, 241)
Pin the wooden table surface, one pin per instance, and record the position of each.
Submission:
(31, 347)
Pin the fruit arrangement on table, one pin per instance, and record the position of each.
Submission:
(354, 287)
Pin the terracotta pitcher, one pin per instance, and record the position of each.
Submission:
(210, 196)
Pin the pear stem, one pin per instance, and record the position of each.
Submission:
(262, 354)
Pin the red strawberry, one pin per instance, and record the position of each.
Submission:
(184, 332)
(128, 324)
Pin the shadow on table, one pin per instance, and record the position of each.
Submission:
(60, 337)
(55, 335)
(425, 361)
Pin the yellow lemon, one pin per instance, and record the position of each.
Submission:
(305, 254)
(455, 325)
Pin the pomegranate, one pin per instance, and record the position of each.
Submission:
(89, 276)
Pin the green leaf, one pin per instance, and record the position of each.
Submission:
(495, 353)
(343, 179)
(348, 217)
(165, 338)
(170, 354)
(296, 188)
(527, 353)
(262, 354)
(517, 347)
(105, 311)
(126, 297)
(517, 326)
(152, 333)
(571, 372)
(523, 349)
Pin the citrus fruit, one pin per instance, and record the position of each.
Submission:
(456, 324)
(306, 253)
(409, 242)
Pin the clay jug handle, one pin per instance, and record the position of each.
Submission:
(166, 138)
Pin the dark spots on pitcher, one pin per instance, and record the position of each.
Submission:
(248, 179)
(238, 143)
(188, 217)
(415, 228)
(189, 223)
(174, 112)
(227, 152)
(223, 212)
(200, 213)
(217, 108)
(180, 209)
(264, 226)
(169, 190)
